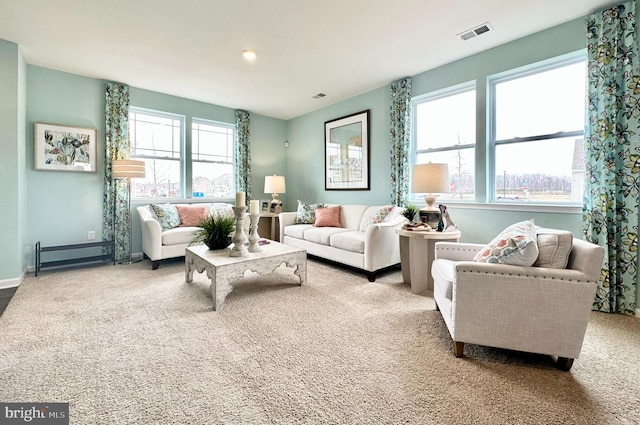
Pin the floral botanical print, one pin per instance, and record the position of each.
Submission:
(400, 137)
(242, 157)
(116, 215)
(612, 153)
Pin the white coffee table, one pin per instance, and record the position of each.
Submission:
(223, 269)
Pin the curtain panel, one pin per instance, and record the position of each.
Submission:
(400, 136)
(116, 216)
(242, 156)
(612, 153)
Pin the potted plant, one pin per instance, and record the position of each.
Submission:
(215, 232)
(410, 212)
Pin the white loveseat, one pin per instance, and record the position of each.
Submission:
(371, 250)
(159, 244)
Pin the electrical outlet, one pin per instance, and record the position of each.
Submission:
(91, 235)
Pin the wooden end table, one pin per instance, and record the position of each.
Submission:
(417, 250)
(223, 269)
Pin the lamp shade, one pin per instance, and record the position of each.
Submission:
(274, 184)
(127, 168)
(430, 178)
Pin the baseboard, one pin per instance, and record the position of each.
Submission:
(11, 283)
(637, 313)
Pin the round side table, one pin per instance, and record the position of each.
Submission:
(417, 250)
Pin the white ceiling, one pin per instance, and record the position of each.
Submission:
(192, 48)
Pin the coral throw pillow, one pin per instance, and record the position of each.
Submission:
(516, 245)
(191, 215)
(328, 217)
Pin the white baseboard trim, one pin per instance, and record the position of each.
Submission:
(637, 313)
(11, 283)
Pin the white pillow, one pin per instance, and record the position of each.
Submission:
(516, 245)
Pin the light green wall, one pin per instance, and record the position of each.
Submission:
(12, 204)
(63, 206)
(305, 155)
(305, 161)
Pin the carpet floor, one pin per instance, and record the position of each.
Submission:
(127, 345)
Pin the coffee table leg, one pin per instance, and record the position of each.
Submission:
(220, 287)
(301, 270)
(189, 268)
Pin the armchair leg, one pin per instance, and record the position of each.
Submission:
(458, 348)
(371, 276)
(155, 264)
(564, 363)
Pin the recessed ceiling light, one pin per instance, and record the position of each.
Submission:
(249, 54)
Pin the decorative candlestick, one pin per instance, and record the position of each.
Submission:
(254, 237)
(239, 238)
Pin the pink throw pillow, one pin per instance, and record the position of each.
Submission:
(191, 215)
(328, 217)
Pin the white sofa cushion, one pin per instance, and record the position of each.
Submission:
(442, 271)
(297, 231)
(349, 241)
(554, 247)
(322, 235)
(177, 236)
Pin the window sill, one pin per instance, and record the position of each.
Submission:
(506, 206)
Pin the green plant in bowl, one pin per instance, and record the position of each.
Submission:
(215, 232)
(410, 212)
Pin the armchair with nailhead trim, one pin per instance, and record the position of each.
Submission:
(533, 309)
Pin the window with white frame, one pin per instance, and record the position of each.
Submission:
(537, 132)
(444, 131)
(157, 139)
(212, 159)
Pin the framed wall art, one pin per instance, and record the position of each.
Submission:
(65, 148)
(346, 152)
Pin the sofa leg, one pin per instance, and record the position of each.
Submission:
(155, 264)
(371, 276)
(564, 363)
(458, 348)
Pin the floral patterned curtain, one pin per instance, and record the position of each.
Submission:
(116, 219)
(612, 153)
(400, 136)
(242, 157)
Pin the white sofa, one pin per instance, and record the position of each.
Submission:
(159, 244)
(374, 249)
(543, 308)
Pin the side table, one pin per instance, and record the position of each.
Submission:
(272, 219)
(417, 250)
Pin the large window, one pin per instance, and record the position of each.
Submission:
(212, 156)
(157, 139)
(445, 132)
(537, 131)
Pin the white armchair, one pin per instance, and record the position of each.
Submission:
(533, 309)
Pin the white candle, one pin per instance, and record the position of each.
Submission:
(240, 201)
(254, 207)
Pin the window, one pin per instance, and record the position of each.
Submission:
(212, 156)
(537, 133)
(444, 131)
(157, 139)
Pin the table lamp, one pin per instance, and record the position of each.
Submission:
(127, 169)
(275, 185)
(429, 179)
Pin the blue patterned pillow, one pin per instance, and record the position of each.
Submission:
(167, 215)
(306, 213)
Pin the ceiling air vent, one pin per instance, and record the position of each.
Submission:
(474, 32)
